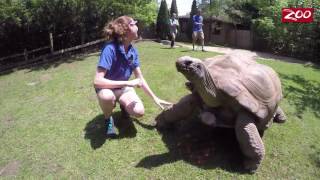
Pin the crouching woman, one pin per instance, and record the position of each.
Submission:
(118, 60)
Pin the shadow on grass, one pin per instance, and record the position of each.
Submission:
(95, 130)
(305, 96)
(143, 125)
(187, 50)
(166, 48)
(57, 61)
(199, 145)
(198, 51)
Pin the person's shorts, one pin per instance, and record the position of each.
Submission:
(198, 35)
(118, 91)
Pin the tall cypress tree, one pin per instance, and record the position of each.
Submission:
(190, 22)
(174, 8)
(163, 21)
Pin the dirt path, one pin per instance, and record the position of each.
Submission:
(248, 53)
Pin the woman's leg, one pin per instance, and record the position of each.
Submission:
(173, 38)
(194, 39)
(107, 101)
(201, 35)
(131, 102)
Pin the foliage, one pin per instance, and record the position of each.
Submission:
(242, 13)
(26, 23)
(163, 21)
(217, 9)
(147, 14)
(295, 39)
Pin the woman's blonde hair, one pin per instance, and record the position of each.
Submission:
(117, 29)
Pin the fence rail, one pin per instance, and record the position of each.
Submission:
(24, 53)
(77, 47)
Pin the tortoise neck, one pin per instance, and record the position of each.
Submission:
(207, 90)
(209, 84)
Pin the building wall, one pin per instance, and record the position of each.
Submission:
(244, 39)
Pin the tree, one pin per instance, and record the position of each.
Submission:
(241, 13)
(147, 13)
(163, 21)
(194, 9)
(143, 10)
(218, 9)
(174, 8)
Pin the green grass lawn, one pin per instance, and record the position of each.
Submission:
(51, 127)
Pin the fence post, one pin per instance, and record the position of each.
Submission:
(25, 53)
(51, 42)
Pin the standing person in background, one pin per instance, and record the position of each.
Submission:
(118, 60)
(174, 24)
(197, 29)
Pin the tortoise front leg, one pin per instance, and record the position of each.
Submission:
(250, 141)
(179, 111)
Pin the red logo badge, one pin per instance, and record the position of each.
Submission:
(297, 15)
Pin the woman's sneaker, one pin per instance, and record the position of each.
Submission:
(111, 131)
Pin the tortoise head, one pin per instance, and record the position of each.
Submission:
(193, 69)
(197, 73)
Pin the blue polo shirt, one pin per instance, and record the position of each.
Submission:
(117, 62)
(197, 19)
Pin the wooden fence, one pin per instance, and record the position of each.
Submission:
(25, 53)
(25, 60)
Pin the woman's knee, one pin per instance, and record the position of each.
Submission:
(106, 96)
(135, 109)
(138, 110)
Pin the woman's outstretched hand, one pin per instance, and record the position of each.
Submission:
(162, 103)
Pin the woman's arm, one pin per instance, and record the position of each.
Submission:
(101, 82)
(144, 85)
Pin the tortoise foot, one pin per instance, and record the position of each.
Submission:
(280, 117)
(251, 166)
(208, 118)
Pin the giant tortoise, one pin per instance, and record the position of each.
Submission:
(234, 93)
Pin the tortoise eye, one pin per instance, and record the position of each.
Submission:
(187, 63)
